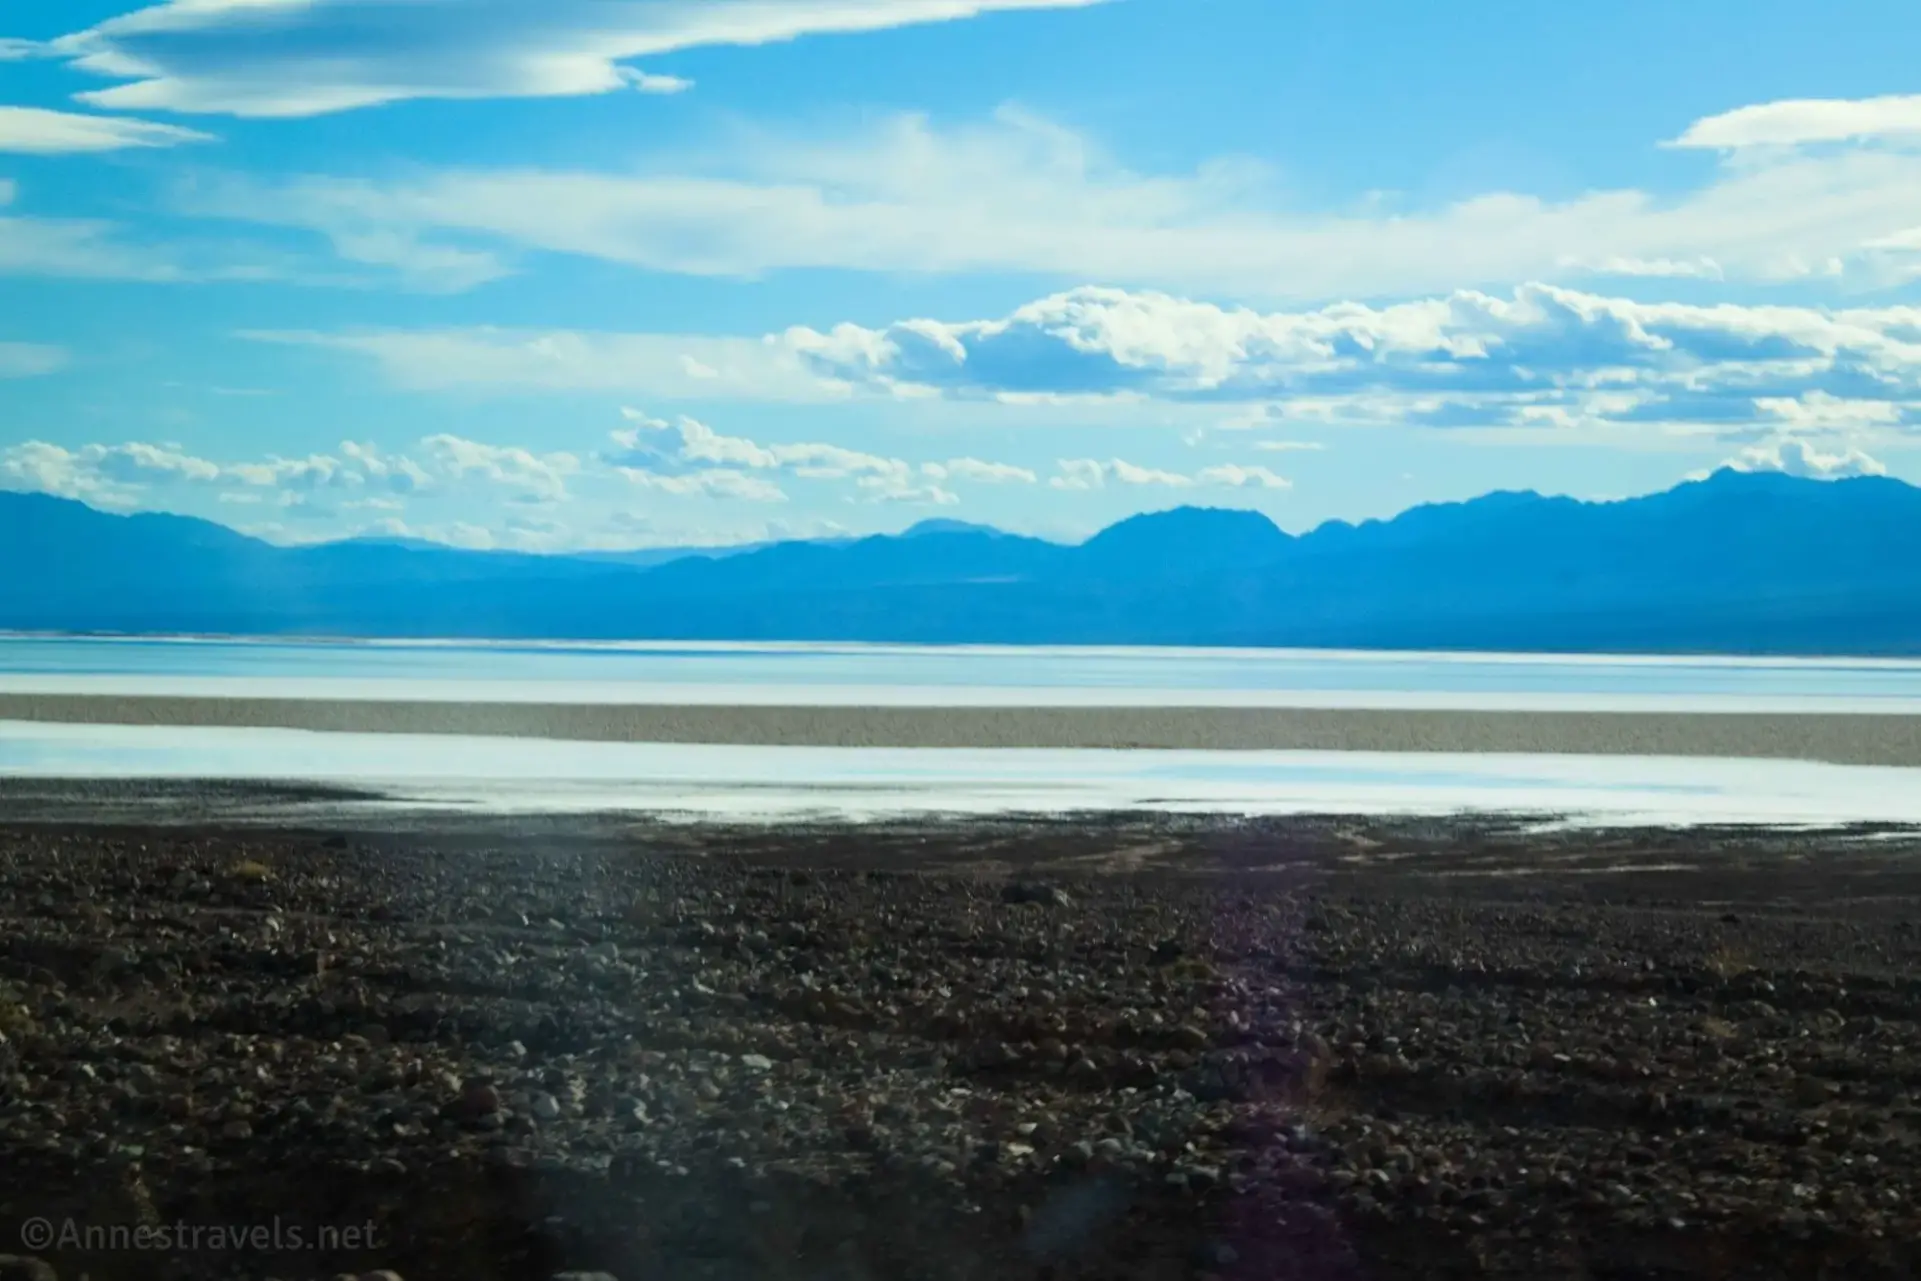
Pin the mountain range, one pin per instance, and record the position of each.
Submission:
(1736, 562)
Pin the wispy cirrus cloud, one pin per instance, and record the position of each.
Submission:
(678, 366)
(1022, 194)
(282, 58)
(38, 131)
(30, 359)
(1801, 121)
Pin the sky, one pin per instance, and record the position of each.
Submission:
(564, 274)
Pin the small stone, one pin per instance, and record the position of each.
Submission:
(756, 1062)
(1027, 892)
(545, 1107)
(478, 1100)
(20, 1267)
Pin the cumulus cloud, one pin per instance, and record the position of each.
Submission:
(658, 445)
(719, 482)
(1240, 476)
(1800, 121)
(1023, 194)
(1798, 457)
(687, 456)
(539, 476)
(1094, 473)
(37, 131)
(1091, 473)
(108, 474)
(311, 57)
(117, 475)
(978, 471)
(1539, 356)
(895, 489)
(358, 466)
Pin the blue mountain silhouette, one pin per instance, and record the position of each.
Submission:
(1736, 562)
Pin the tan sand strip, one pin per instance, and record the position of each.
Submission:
(1839, 738)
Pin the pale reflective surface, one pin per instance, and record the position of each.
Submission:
(878, 675)
(534, 775)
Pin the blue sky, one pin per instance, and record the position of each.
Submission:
(587, 273)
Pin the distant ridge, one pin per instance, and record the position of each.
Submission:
(1733, 563)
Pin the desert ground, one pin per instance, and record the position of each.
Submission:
(1073, 1047)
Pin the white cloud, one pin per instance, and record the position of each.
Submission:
(978, 471)
(27, 360)
(649, 83)
(111, 475)
(687, 456)
(77, 248)
(117, 475)
(309, 57)
(358, 466)
(1537, 357)
(37, 131)
(462, 534)
(1080, 473)
(1799, 121)
(540, 476)
(1093, 473)
(1819, 411)
(720, 482)
(96, 249)
(895, 489)
(1657, 268)
(1239, 476)
(430, 268)
(656, 444)
(41, 467)
(678, 366)
(1021, 194)
(1542, 355)
(1798, 457)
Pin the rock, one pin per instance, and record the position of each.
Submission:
(1029, 892)
(545, 1107)
(20, 1267)
(756, 1062)
(478, 1100)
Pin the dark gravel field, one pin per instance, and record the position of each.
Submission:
(1128, 1047)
